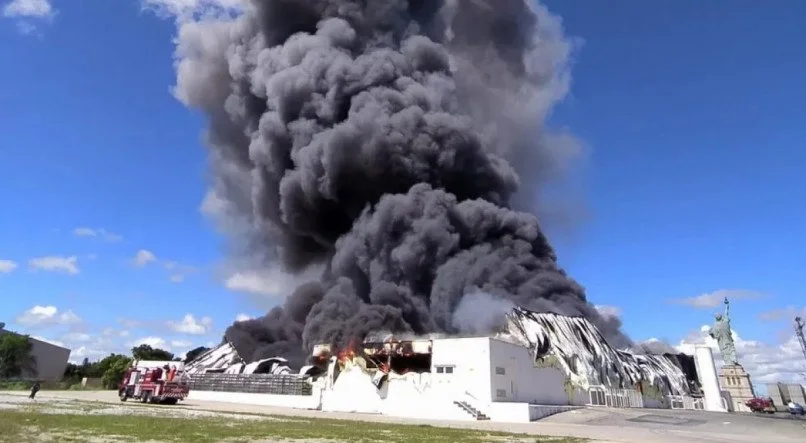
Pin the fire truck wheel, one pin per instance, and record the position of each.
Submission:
(146, 397)
(169, 401)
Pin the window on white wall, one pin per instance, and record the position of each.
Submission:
(500, 371)
(444, 369)
(500, 393)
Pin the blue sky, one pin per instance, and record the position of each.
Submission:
(689, 109)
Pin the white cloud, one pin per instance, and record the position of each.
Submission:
(88, 352)
(608, 311)
(190, 325)
(112, 332)
(242, 317)
(272, 282)
(40, 316)
(143, 257)
(178, 271)
(98, 344)
(28, 8)
(89, 345)
(787, 314)
(717, 298)
(184, 10)
(253, 283)
(68, 265)
(7, 266)
(48, 340)
(154, 342)
(128, 323)
(164, 344)
(179, 344)
(28, 13)
(765, 362)
(98, 233)
(77, 337)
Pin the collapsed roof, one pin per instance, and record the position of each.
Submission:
(575, 344)
(225, 359)
(585, 355)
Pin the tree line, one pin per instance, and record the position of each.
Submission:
(17, 361)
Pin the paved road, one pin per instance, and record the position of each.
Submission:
(600, 424)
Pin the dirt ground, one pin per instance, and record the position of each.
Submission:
(599, 424)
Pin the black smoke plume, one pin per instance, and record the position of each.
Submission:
(390, 142)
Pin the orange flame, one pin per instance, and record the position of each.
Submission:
(321, 359)
(347, 354)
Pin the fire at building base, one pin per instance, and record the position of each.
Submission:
(539, 364)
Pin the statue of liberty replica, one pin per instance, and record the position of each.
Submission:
(723, 335)
(732, 377)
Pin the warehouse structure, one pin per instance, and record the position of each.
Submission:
(50, 360)
(536, 365)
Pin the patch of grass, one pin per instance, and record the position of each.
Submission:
(15, 385)
(71, 385)
(22, 426)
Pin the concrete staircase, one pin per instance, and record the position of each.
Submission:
(478, 415)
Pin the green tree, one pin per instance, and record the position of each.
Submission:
(146, 352)
(15, 356)
(193, 353)
(113, 368)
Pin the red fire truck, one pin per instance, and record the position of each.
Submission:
(151, 382)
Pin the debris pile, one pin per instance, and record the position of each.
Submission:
(579, 348)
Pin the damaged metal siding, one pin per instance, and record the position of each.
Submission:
(251, 383)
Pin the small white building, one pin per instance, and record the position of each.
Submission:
(472, 378)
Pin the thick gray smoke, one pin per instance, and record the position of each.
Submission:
(388, 140)
(479, 313)
(654, 347)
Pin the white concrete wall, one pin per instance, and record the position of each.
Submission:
(523, 382)
(420, 396)
(353, 391)
(51, 360)
(471, 360)
(706, 369)
(523, 412)
(509, 412)
(432, 395)
(410, 395)
(286, 401)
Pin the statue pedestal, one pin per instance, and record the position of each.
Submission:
(736, 382)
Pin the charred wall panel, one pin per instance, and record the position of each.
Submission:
(251, 383)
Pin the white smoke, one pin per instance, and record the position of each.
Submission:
(480, 313)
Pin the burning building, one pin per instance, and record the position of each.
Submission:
(401, 148)
(536, 364)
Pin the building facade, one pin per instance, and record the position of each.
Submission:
(50, 359)
(782, 393)
(471, 378)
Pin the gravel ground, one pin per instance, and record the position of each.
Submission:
(95, 403)
(55, 405)
(599, 424)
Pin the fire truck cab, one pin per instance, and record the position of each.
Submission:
(154, 382)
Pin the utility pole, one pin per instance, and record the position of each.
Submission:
(799, 332)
